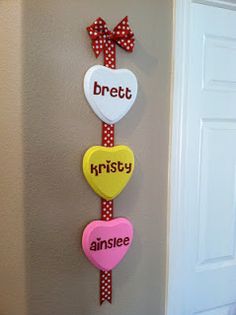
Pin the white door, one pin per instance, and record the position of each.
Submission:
(202, 277)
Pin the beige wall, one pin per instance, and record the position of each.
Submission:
(12, 242)
(58, 126)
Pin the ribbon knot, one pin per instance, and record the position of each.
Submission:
(111, 36)
(103, 38)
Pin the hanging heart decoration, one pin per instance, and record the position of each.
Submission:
(123, 85)
(108, 170)
(105, 243)
(110, 93)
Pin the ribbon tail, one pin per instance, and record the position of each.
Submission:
(105, 286)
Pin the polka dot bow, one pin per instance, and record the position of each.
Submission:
(102, 37)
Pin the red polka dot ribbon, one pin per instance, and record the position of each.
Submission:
(108, 135)
(105, 40)
(106, 276)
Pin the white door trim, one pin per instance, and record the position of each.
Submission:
(181, 26)
(227, 4)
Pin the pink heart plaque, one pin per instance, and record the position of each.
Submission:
(105, 243)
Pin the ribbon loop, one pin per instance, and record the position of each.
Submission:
(101, 35)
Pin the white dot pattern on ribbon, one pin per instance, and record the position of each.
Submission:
(106, 276)
(108, 135)
(107, 205)
(127, 36)
(105, 40)
(105, 286)
(109, 54)
(106, 210)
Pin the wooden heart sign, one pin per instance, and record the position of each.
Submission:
(111, 93)
(108, 170)
(106, 243)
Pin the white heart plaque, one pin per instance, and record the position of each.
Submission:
(110, 92)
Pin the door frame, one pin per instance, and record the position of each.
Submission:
(179, 100)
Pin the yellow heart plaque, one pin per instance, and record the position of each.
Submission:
(108, 170)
